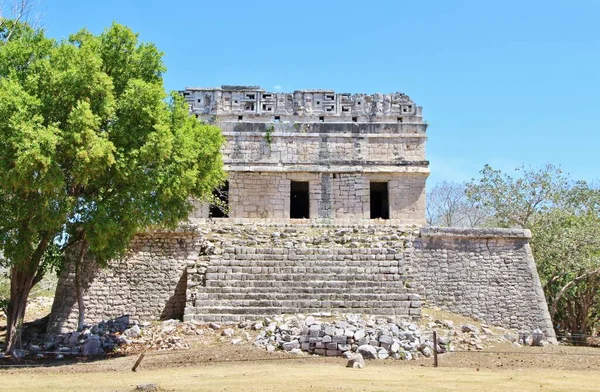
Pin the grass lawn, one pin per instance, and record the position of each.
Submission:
(300, 375)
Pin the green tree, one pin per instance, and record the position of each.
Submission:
(566, 245)
(564, 218)
(92, 150)
(515, 200)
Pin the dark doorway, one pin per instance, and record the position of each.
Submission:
(380, 207)
(299, 200)
(220, 206)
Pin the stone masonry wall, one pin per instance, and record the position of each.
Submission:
(489, 274)
(314, 144)
(149, 283)
(332, 195)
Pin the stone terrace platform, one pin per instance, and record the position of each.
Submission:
(227, 271)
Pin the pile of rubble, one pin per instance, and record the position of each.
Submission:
(379, 338)
(318, 334)
(374, 338)
(115, 336)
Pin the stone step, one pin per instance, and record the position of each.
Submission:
(227, 259)
(302, 290)
(302, 269)
(266, 247)
(284, 262)
(323, 303)
(267, 310)
(330, 296)
(236, 318)
(348, 284)
(308, 277)
(328, 258)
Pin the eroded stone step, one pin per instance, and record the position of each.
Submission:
(390, 311)
(305, 303)
(236, 318)
(301, 269)
(371, 284)
(262, 258)
(309, 250)
(298, 290)
(375, 277)
(325, 261)
(290, 295)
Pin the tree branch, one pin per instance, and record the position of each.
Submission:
(562, 291)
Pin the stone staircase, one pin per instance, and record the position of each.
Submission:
(257, 273)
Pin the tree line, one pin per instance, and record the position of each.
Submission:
(564, 218)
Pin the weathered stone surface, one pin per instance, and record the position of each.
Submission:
(426, 351)
(537, 337)
(382, 353)
(287, 346)
(133, 332)
(367, 351)
(387, 339)
(479, 268)
(359, 334)
(92, 347)
(355, 360)
(469, 328)
(229, 332)
(421, 261)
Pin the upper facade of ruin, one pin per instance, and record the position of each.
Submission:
(317, 154)
(251, 103)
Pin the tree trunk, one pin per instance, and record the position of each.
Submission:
(563, 290)
(78, 265)
(22, 278)
(21, 282)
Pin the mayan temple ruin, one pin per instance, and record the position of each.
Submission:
(319, 155)
(323, 211)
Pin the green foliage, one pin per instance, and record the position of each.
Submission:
(92, 150)
(564, 218)
(269, 134)
(566, 245)
(516, 199)
(90, 142)
(219, 199)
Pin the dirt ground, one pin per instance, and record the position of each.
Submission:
(552, 357)
(213, 348)
(214, 364)
(181, 373)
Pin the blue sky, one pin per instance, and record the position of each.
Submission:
(504, 83)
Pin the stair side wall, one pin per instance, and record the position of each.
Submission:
(489, 274)
(148, 283)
